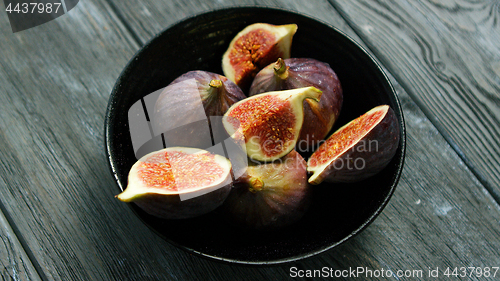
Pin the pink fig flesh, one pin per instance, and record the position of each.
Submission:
(253, 48)
(178, 182)
(293, 73)
(269, 123)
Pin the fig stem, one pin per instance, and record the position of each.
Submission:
(214, 83)
(256, 184)
(281, 69)
(217, 90)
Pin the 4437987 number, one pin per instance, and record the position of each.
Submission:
(31, 8)
(471, 271)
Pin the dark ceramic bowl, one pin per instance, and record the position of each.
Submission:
(337, 213)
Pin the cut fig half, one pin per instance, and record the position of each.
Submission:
(269, 123)
(178, 182)
(255, 47)
(358, 150)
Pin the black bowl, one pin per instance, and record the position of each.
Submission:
(337, 213)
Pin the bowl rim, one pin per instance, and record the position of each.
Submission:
(398, 110)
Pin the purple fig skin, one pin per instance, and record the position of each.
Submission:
(216, 101)
(179, 104)
(270, 195)
(295, 73)
(370, 155)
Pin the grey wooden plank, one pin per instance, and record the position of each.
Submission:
(447, 56)
(162, 14)
(441, 214)
(14, 262)
(55, 82)
(62, 200)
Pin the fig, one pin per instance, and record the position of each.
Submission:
(182, 109)
(255, 47)
(270, 195)
(358, 150)
(294, 73)
(269, 124)
(178, 182)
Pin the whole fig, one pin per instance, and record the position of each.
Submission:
(270, 195)
(182, 111)
(294, 73)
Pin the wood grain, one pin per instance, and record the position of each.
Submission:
(52, 109)
(446, 54)
(56, 186)
(162, 14)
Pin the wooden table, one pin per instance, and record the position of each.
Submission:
(59, 219)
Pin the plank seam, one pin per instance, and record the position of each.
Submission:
(24, 244)
(489, 188)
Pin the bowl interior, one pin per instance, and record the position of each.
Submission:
(338, 211)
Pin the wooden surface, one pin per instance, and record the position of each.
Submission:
(60, 221)
(447, 56)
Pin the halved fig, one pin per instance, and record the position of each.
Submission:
(178, 182)
(294, 73)
(182, 110)
(255, 47)
(358, 150)
(270, 195)
(269, 123)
